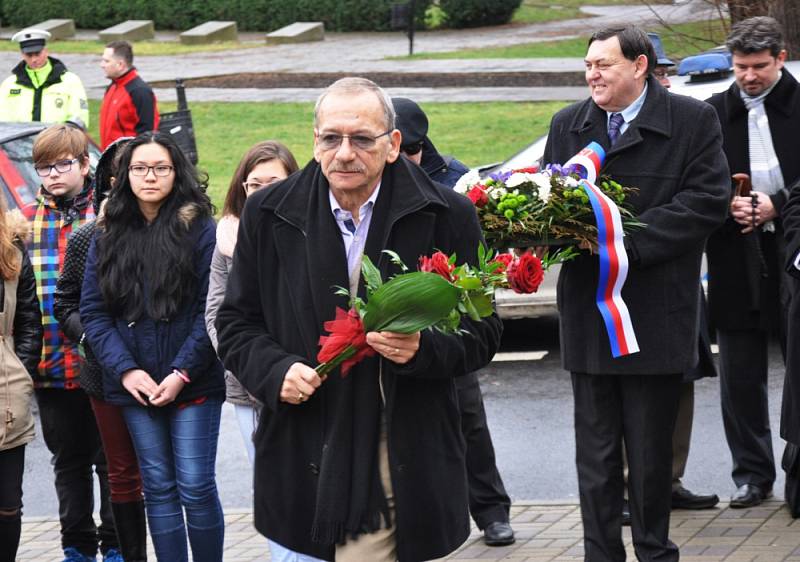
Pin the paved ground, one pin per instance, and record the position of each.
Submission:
(367, 52)
(545, 532)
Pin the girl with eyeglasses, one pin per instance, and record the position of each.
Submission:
(142, 307)
(266, 163)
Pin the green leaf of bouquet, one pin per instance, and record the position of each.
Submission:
(482, 303)
(472, 312)
(469, 283)
(396, 259)
(372, 277)
(409, 303)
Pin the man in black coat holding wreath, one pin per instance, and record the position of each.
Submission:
(670, 148)
(371, 466)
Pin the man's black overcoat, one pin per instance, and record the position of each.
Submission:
(288, 260)
(742, 295)
(672, 153)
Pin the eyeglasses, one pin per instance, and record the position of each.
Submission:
(411, 149)
(332, 141)
(62, 167)
(255, 186)
(161, 170)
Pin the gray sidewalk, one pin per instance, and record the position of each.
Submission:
(546, 531)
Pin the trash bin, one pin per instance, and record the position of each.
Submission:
(178, 124)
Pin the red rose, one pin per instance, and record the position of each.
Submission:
(504, 260)
(478, 196)
(525, 274)
(346, 331)
(528, 170)
(438, 263)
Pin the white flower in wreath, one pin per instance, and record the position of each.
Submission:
(466, 182)
(497, 192)
(542, 182)
(518, 179)
(569, 181)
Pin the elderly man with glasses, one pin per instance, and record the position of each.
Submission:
(371, 466)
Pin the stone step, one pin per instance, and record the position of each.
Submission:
(298, 32)
(58, 28)
(130, 30)
(210, 32)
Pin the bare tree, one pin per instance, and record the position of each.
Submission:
(788, 13)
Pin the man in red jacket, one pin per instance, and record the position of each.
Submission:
(129, 106)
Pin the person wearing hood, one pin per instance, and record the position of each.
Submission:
(489, 502)
(64, 203)
(40, 87)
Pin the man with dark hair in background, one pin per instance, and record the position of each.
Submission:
(748, 291)
(489, 503)
(670, 148)
(129, 106)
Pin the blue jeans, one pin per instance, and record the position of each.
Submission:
(177, 449)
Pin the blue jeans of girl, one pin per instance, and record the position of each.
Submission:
(177, 449)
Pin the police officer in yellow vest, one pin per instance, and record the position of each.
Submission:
(40, 87)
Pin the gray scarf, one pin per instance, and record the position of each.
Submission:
(765, 169)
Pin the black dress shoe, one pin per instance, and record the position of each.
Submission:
(685, 499)
(749, 495)
(498, 533)
(626, 514)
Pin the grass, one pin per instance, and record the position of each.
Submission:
(679, 41)
(83, 47)
(539, 11)
(475, 133)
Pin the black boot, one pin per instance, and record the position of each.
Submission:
(131, 526)
(10, 527)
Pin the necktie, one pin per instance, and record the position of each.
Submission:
(350, 225)
(614, 124)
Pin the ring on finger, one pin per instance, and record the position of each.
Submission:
(300, 396)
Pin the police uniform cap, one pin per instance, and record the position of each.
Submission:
(31, 40)
(411, 121)
(661, 56)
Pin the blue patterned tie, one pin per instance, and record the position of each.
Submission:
(350, 225)
(614, 124)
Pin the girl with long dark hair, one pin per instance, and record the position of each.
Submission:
(142, 307)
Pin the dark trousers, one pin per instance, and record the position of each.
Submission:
(70, 433)
(641, 410)
(488, 500)
(124, 481)
(12, 466)
(743, 358)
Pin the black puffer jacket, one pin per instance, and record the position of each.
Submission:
(68, 300)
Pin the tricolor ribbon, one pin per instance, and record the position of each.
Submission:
(613, 258)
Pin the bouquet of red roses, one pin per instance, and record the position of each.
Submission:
(436, 296)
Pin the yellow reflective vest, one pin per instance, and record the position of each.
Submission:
(60, 98)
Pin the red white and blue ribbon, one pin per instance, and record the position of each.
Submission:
(611, 250)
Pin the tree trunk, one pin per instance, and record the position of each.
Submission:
(787, 12)
(743, 9)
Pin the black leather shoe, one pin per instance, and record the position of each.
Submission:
(749, 495)
(498, 533)
(626, 514)
(685, 499)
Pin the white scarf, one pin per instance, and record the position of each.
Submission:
(765, 169)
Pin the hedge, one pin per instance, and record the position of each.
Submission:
(257, 15)
(476, 13)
